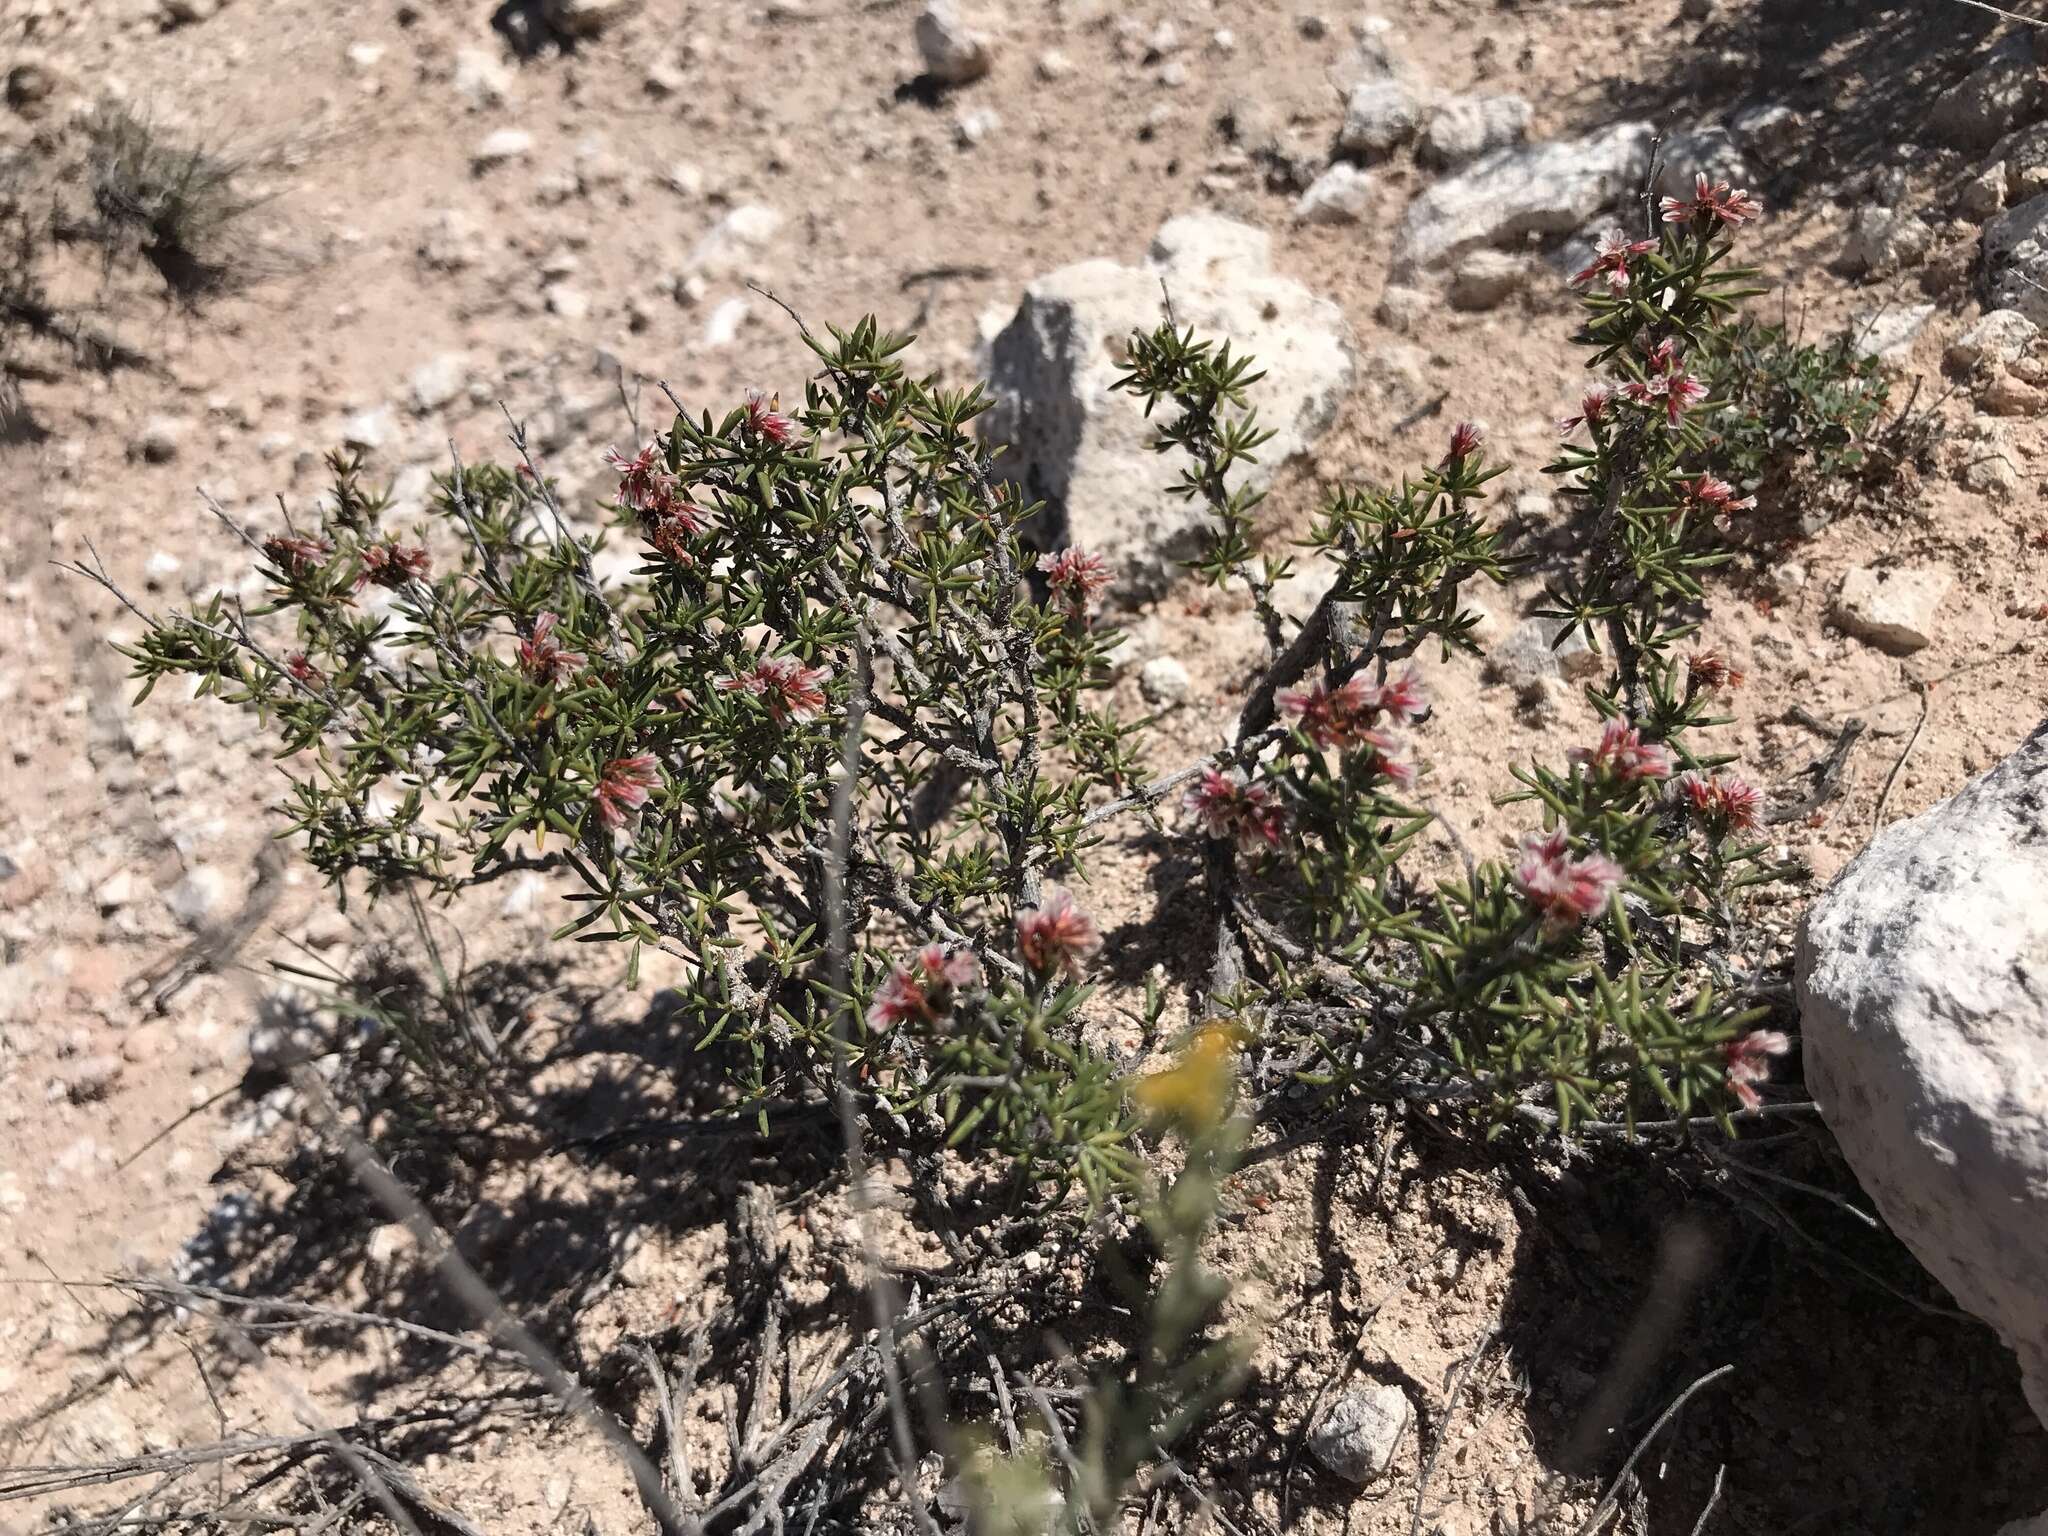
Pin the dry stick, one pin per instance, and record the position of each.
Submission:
(1983, 5)
(1443, 1436)
(1606, 1505)
(1713, 1498)
(298, 1311)
(1891, 778)
(470, 1288)
(356, 1458)
(903, 1445)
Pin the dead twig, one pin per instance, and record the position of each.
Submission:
(1606, 1506)
(1885, 795)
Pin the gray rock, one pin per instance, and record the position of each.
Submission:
(1998, 335)
(439, 380)
(1883, 239)
(1381, 116)
(1341, 195)
(1487, 279)
(1462, 128)
(1543, 189)
(1163, 680)
(1527, 657)
(1773, 132)
(369, 430)
(2016, 260)
(196, 899)
(1993, 97)
(450, 241)
(1922, 979)
(1893, 609)
(731, 247)
(953, 52)
(1984, 193)
(1888, 334)
(1984, 456)
(161, 437)
(1088, 454)
(1358, 1436)
(2021, 162)
(501, 146)
(481, 78)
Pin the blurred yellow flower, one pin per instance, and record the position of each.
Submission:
(1194, 1093)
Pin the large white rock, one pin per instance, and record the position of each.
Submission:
(1542, 189)
(1088, 453)
(2016, 260)
(1923, 988)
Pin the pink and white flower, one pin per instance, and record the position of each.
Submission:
(1711, 495)
(923, 987)
(790, 690)
(1227, 806)
(1665, 383)
(1466, 438)
(1077, 576)
(541, 656)
(1056, 935)
(295, 554)
(1351, 713)
(1610, 261)
(392, 564)
(1712, 200)
(624, 786)
(1624, 755)
(1724, 805)
(1747, 1061)
(1565, 890)
(1592, 411)
(766, 421)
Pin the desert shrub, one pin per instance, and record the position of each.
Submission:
(1794, 420)
(131, 195)
(843, 750)
(175, 204)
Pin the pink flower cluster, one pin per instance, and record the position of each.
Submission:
(1610, 261)
(1712, 200)
(1665, 383)
(294, 554)
(765, 420)
(922, 988)
(624, 786)
(1592, 411)
(647, 488)
(541, 656)
(791, 690)
(1725, 805)
(1710, 671)
(1465, 441)
(1711, 496)
(1622, 754)
(1563, 889)
(302, 669)
(1748, 1062)
(1226, 806)
(1351, 717)
(1076, 577)
(392, 564)
(1056, 935)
